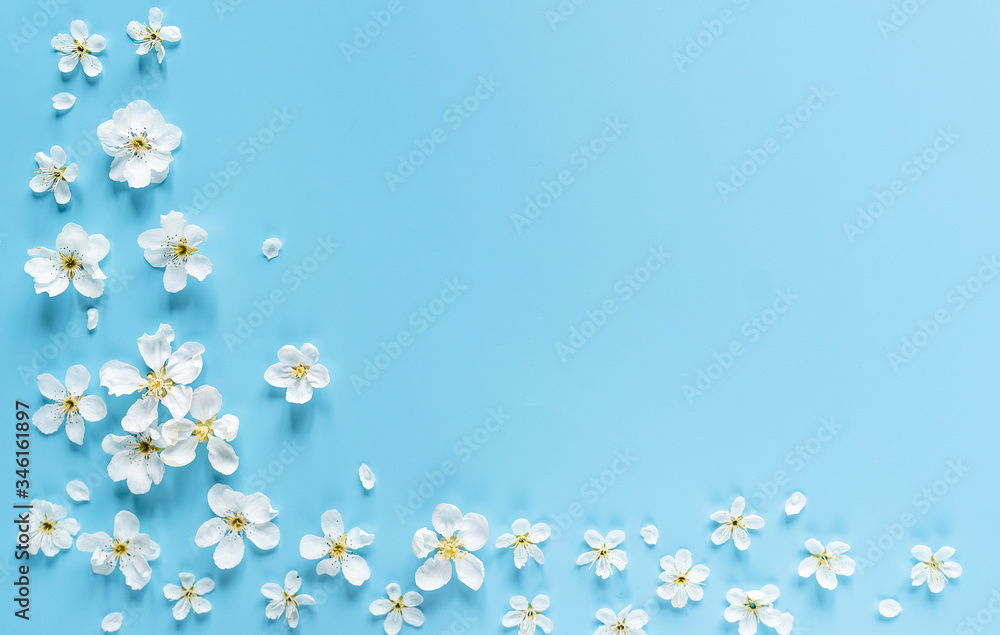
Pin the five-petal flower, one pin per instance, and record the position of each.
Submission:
(297, 372)
(49, 530)
(152, 36)
(752, 607)
(398, 608)
(53, 175)
(76, 258)
(456, 536)
(183, 436)
(734, 524)
(72, 404)
(337, 549)
(79, 46)
(826, 562)
(524, 541)
(129, 550)
(287, 600)
(934, 569)
(173, 247)
(141, 142)
(238, 515)
(135, 459)
(603, 552)
(681, 580)
(627, 622)
(188, 595)
(527, 616)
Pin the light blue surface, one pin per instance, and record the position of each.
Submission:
(655, 186)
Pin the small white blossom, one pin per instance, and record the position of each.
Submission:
(734, 524)
(129, 550)
(297, 372)
(78, 47)
(271, 247)
(526, 615)
(63, 101)
(627, 622)
(889, 608)
(335, 549)
(182, 436)
(681, 580)
(398, 608)
(75, 259)
(173, 247)
(135, 459)
(188, 595)
(456, 536)
(49, 530)
(53, 175)
(826, 562)
(72, 404)
(152, 36)
(166, 381)
(524, 541)
(795, 503)
(287, 600)
(238, 516)
(934, 569)
(603, 552)
(141, 142)
(752, 607)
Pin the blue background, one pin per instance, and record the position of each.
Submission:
(323, 175)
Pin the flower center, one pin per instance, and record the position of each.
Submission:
(81, 47)
(450, 548)
(203, 429)
(397, 605)
(299, 371)
(47, 526)
(339, 550)
(157, 384)
(189, 593)
(138, 143)
(751, 605)
(181, 249)
(145, 447)
(70, 263)
(680, 580)
(119, 549)
(237, 523)
(68, 404)
(522, 540)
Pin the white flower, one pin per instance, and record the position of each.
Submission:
(183, 436)
(173, 248)
(76, 258)
(398, 608)
(337, 549)
(140, 141)
(72, 404)
(528, 615)
(524, 541)
(129, 550)
(53, 175)
(298, 372)
(79, 46)
(367, 476)
(456, 536)
(934, 569)
(154, 35)
(63, 101)
(287, 600)
(650, 534)
(735, 524)
(750, 607)
(602, 550)
(682, 581)
(49, 530)
(92, 316)
(78, 491)
(826, 562)
(188, 595)
(889, 608)
(238, 516)
(166, 381)
(135, 459)
(112, 622)
(627, 622)
(271, 247)
(795, 503)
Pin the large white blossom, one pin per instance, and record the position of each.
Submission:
(173, 247)
(75, 259)
(79, 47)
(524, 541)
(182, 436)
(151, 36)
(527, 616)
(335, 549)
(287, 600)
(827, 562)
(238, 516)
(681, 579)
(128, 550)
(166, 381)
(53, 175)
(752, 607)
(456, 536)
(934, 569)
(49, 530)
(135, 459)
(398, 608)
(141, 142)
(603, 552)
(735, 525)
(297, 372)
(627, 622)
(72, 404)
(188, 596)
